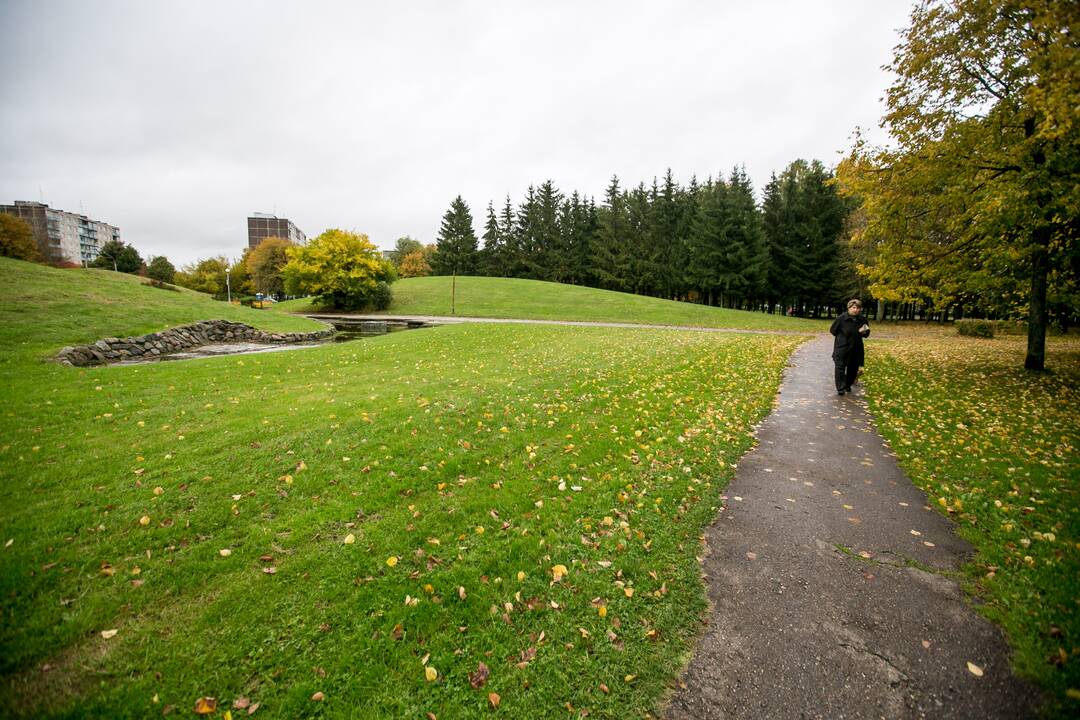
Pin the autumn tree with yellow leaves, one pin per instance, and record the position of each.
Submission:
(976, 199)
(342, 269)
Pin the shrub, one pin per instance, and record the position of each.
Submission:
(154, 282)
(975, 328)
(382, 296)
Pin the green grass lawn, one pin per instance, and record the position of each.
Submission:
(203, 510)
(533, 299)
(45, 308)
(996, 448)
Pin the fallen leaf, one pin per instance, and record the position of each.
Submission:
(108, 633)
(253, 708)
(224, 552)
(974, 669)
(270, 570)
(602, 610)
(144, 520)
(205, 706)
(558, 572)
(630, 678)
(604, 689)
(478, 678)
(751, 555)
(926, 644)
(461, 592)
(241, 703)
(349, 539)
(494, 699)
(318, 697)
(391, 561)
(431, 674)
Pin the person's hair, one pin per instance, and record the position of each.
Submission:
(854, 302)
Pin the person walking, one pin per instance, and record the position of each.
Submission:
(849, 329)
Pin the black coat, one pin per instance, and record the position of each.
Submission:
(848, 345)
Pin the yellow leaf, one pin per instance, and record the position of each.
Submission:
(224, 552)
(521, 576)
(494, 699)
(629, 591)
(602, 610)
(205, 706)
(144, 520)
(974, 669)
(431, 674)
(159, 490)
(108, 633)
(391, 561)
(558, 572)
(349, 539)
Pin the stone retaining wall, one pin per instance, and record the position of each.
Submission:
(176, 339)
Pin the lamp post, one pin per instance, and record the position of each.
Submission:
(228, 286)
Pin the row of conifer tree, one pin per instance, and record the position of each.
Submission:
(709, 242)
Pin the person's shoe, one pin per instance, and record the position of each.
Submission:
(840, 392)
(847, 389)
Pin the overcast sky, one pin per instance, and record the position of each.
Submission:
(176, 120)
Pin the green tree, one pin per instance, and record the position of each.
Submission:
(264, 263)
(118, 256)
(492, 255)
(609, 248)
(456, 248)
(161, 269)
(17, 239)
(404, 246)
(343, 270)
(206, 275)
(982, 170)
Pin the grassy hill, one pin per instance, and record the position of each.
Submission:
(44, 308)
(534, 299)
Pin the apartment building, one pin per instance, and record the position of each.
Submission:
(63, 237)
(262, 225)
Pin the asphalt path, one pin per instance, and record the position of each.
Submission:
(833, 583)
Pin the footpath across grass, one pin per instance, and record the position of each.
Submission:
(533, 299)
(995, 447)
(462, 520)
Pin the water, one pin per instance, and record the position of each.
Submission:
(348, 329)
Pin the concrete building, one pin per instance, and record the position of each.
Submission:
(63, 237)
(261, 226)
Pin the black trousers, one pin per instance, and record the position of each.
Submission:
(846, 372)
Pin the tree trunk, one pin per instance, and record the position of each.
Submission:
(1040, 265)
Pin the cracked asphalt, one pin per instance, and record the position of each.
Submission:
(833, 583)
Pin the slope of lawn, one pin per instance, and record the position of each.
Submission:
(534, 299)
(995, 447)
(82, 306)
(439, 520)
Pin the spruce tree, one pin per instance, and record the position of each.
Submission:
(608, 251)
(490, 257)
(456, 247)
